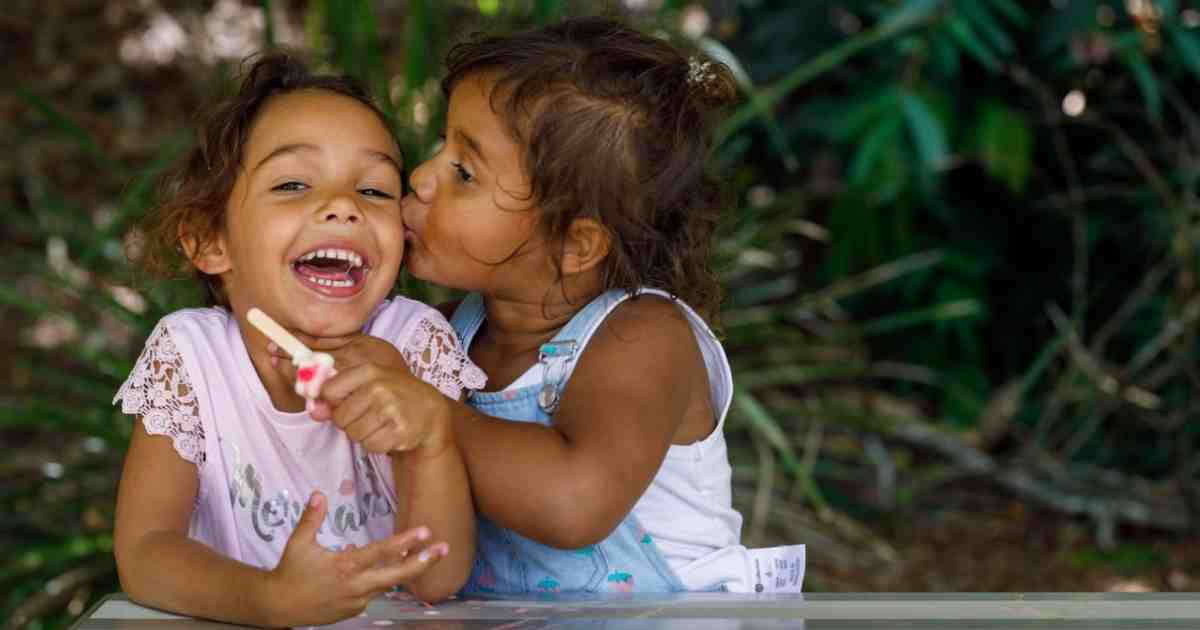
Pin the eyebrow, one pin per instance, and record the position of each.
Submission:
(303, 147)
(472, 144)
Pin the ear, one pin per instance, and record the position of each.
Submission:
(212, 258)
(585, 246)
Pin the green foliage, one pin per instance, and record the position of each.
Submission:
(1126, 559)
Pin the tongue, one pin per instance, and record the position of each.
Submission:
(325, 272)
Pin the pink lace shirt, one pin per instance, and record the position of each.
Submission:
(257, 466)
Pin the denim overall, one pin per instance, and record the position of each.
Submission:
(507, 562)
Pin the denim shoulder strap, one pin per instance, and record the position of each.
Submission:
(467, 318)
(559, 354)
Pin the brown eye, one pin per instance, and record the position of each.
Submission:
(463, 174)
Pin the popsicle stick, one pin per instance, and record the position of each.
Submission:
(276, 333)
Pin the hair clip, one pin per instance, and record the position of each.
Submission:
(700, 72)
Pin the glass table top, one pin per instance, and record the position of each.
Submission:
(701, 611)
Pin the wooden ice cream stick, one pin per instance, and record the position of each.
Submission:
(284, 339)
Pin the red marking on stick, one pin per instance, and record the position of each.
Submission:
(306, 374)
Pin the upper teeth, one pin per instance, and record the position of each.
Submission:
(338, 254)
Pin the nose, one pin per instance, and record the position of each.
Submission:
(423, 183)
(340, 209)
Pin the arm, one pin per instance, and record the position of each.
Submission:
(608, 438)
(160, 566)
(433, 491)
(431, 480)
(157, 563)
(370, 403)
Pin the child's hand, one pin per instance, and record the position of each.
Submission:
(315, 586)
(374, 397)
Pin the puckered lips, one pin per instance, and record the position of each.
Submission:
(337, 270)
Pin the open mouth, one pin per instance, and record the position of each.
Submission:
(332, 271)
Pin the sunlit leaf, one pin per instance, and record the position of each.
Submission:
(1004, 140)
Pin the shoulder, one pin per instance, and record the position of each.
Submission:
(431, 347)
(180, 330)
(204, 322)
(645, 318)
(398, 317)
(646, 335)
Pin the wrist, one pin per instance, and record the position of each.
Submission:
(265, 596)
(441, 429)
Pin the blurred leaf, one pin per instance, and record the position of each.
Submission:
(932, 315)
(1187, 44)
(927, 132)
(968, 40)
(863, 110)
(1147, 83)
(909, 16)
(268, 25)
(67, 127)
(420, 51)
(1012, 12)
(945, 53)
(760, 419)
(977, 13)
(489, 8)
(548, 10)
(718, 52)
(13, 297)
(872, 147)
(1005, 143)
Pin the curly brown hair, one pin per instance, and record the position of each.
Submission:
(616, 126)
(192, 196)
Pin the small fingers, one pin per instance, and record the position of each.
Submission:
(382, 578)
(386, 551)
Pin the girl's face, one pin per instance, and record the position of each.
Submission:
(468, 221)
(312, 233)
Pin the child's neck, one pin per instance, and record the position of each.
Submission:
(521, 324)
(281, 390)
(515, 328)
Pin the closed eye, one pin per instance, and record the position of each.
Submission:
(375, 192)
(292, 186)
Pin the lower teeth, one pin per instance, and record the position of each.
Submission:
(330, 283)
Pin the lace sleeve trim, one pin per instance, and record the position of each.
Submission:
(435, 356)
(159, 392)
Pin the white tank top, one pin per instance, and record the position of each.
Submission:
(688, 507)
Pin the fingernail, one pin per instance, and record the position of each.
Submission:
(271, 347)
(442, 549)
(315, 500)
(423, 533)
(274, 361)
